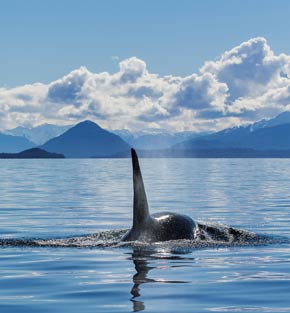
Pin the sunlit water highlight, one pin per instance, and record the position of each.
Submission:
(64, 205)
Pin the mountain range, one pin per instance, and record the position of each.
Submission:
(39, 134)
(149, 139)
(264, 135)
(87, 139)
(156, 139)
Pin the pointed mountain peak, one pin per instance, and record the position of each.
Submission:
(86, 139)
(87, 123)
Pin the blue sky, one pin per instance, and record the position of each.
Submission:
(175, 65)
(43, 40)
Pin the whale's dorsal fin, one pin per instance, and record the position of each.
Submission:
(140, 204)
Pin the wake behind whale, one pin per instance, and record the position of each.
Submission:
(161, 230)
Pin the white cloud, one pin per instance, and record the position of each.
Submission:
(131, 70)
(68, 88)
(201, 92)
(249, 69)
(246, 83)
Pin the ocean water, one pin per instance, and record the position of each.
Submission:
(59, 199)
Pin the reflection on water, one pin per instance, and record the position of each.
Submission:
(141, 259)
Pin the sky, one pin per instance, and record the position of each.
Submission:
(178, 65)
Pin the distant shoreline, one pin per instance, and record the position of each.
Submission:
(204, 154)
(34, 153)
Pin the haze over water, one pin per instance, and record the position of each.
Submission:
(63, 198)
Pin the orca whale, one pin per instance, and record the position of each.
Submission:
(161, 226)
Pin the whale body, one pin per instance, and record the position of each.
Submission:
(161, 226)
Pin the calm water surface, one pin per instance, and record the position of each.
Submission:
(63, 198)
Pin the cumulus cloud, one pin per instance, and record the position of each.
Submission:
(249, 82)
(132, 69)
(249, 68)
(244, 84)
(201, 92)
(67, 89)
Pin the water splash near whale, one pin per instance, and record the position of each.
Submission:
(209, 236)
